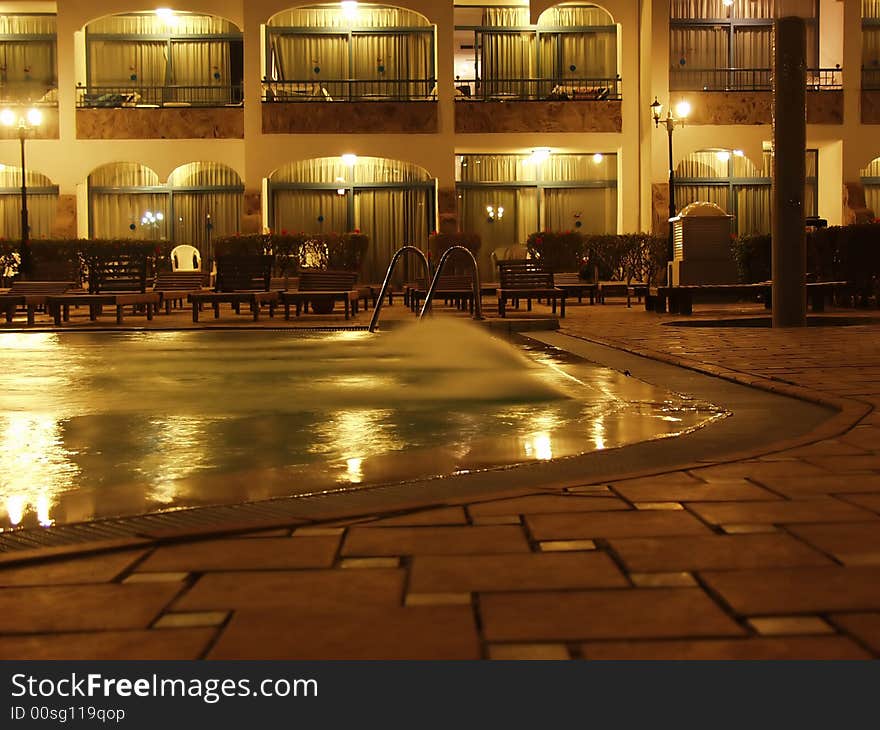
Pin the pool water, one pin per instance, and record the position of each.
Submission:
(107, 424)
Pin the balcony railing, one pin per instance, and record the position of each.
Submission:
(350, 90)
(746, 79)
(91, 97)
(538, 89)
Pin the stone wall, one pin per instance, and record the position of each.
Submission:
(252, 217)
(660, 209)
(65, 217)
(165, 123)
(475, 117)
(855, 209)
(755, 107)
(350, 117)
(447, 210)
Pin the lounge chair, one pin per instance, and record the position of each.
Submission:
(241, 279)
(321, 290)
(174, 287)
(527, 279)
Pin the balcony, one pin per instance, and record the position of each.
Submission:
(350, 106)
(538, 105)
(159, 112)
(742, 95)
(870, 96)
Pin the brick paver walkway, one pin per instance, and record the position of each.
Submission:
(772, 556)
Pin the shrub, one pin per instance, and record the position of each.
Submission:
(557, 251)
(752, 256)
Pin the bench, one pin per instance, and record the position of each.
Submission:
(321, 290)
(122, 273)
(622, 289)
(32, 296)
(59, 306)
(527, 280)
(241, 279)
(455, 288)
(571, 283)
(174, 287)
(679, 299)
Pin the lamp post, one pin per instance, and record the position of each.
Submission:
(682, 110)
(25, 122)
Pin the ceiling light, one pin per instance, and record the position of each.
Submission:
(349, 159)
(597, 158)
(722, 155)
(539, 154)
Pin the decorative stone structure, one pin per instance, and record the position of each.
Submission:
(754, 107)
(252, 216)
(165, 123)
(65, 217)
(447, 210)
(855, 208)
(475, 117)
(344, 117)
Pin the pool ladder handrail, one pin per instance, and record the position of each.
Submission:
(475, 281)
(387, 283)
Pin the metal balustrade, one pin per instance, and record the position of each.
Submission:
(92, 97)
(746, 79)
(350, 90)
(587, 89)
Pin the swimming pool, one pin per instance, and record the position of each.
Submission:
(105, 424)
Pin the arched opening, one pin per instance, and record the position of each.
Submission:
(390, 201)
(360, 53)
(870, 176)
(716, 46)
(42, 203)
(162, 58)
(734, 183)
(570, 54)
(537, 192)
(28, 67)
(126, 200)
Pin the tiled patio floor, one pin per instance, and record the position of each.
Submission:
(771, 556)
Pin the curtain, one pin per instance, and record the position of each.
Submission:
(27, 67)
(201, 63)
(129, 65)
(297, 56)
(752, 209)
(871, 9)
(594, 208)
(192, 208)
(300, 210)
(112, 213)
(152, 24)
(365, 16)
(391, 218)
(41, 206)
(686, 194)
(519, 220)
(391, 57)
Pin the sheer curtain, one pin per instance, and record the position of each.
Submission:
(114, 63)
(201, 63)
(309, 211)
(42, 206)
(27, 67)
(297, 56)
(594, 208)
(118, 213)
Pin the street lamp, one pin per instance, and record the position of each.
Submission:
(26, 122)
(682, 110)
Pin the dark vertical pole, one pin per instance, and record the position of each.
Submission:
(670, 247)
(789, 254)
(25, 254)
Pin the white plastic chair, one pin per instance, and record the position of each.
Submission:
(186, 258)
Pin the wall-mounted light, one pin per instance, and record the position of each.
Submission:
(340, 191)
(722, 155)
(152, 219)
(540, 154)
(597, 158)
(349, 8)
(494, 213)
(166, 15)
(739, 153)
(349, 159)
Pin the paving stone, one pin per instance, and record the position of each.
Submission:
(866, 462)
(680, 579)
(281, 532)
(563, 546)
(283, 552)
(787, 625)
(839, 540)
(780, 513)
(498, 520)
(442, 516)
(668, 506)
(536, 652)
(671, 480)
(592, 489)
(437, 599)
(369, 541)
(760, 470)
(626, 613)
(867, 437)
(105, 645)
(426, 632)
(546, 503)
(100, 568)
(864, 626)
(536, 571)
(191, 619)
(868, 501)
(304, 590)
(715, 552)
(800, 647)
(318, 531)
(721, 491)
(369, 563)
(830, 447)
(82, 607)
(799, 487)
(614, 524)
(740, 529)
(798, 590)
(156, 578)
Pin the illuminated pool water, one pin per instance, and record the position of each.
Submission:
(104, 424)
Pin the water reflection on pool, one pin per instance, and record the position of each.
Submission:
(102, 424)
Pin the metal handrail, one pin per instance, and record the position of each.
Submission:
(478, 301)
(746, 79)
(539, 89)
(215, 95)
(385, 284)
(310, 90)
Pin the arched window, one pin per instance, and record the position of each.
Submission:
(162, 58)
(28, 70)
(390, 201)
(201, 200)
(42, 203)
(715, 47)
(730, 180)
(871, 181)
(369, 52)
(570, 54)
(535, 192)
